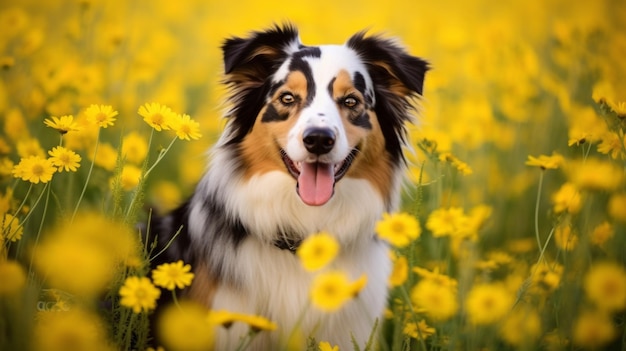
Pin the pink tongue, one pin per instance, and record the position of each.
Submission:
(315, 183)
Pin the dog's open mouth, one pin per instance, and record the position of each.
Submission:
(316, 180)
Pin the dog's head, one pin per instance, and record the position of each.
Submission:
(320, 113)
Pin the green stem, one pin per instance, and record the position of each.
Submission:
(82, 193)
(30, 212)
(161, 155)
(43, 219)
(537, 209)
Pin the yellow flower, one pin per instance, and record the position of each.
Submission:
(62, 124)
(564, 238)
(34, 169)
(617, 207)
(134, 148)
(101, 115)
(6, 166)
(437, 277)
(10, 228)
(172, 275)
(325, 346)
(186, 128)
(419, 331)
(595, 174)
(106, 157)
(399, 229)
(330, 291)
(226, 319)
(593, 330)
(451, 221)
(76, 329)
(567, 199)
(400, 271)
(546, 162)
(257, 323)
(611, 143)
(130, 177)
(521, 327)
(184, 327)
(437, 300)
(488, 303)
(461, 166)
(166, 195)
(159, 117)
(29, 147)
(358, 285)
(317, 251)
(64, 159)
(619, 108)
(72, 264)
(603, 232)
(139, 294)
(605, 285)
(12, 276)
(546, 277)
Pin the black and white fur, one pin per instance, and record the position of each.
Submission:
(333, 108)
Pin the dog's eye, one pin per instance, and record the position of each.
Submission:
(287, 99)
(350, 102)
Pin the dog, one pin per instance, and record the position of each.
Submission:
(314, 141)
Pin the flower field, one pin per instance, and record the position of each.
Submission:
(512, 229)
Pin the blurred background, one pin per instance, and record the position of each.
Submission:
(508, 79)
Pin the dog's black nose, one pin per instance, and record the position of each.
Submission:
(318, 141)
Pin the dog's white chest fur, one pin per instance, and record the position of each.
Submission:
(278, 288)
(270, 282)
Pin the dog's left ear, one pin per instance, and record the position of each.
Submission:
(389, 65)
(252, 60)
(398, 77)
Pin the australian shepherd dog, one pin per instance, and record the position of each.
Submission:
(313, 142)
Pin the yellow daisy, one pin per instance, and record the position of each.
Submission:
(172, 275)
(13, 277)
(257, 323)
(593, 330)
(34, 169)
(420, 330)
(449, 221)
(185, 327)
(330, 291)
(134, 148)
(488, 303)
(186, 128)
(10, 228)
(101, 115)
(399, 229)
(605, 285)
(64, 159)
(159, 117)
(317, 251)
(62, 124)
(400, 271)
(325, 346)
(546, 162)
(437, 300)
(139, 294)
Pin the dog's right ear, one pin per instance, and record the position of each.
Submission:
(248, 63)
(252, 60)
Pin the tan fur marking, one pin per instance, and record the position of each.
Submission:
(372, 163)
(203, 287)
(259, 147)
